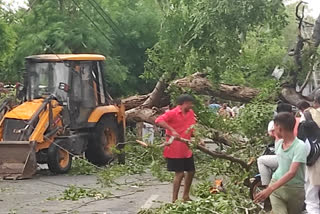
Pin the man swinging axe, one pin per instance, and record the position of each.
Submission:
(177, 123)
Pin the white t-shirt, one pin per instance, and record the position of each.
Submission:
(271, 126)
(308, 146)
(302, 118)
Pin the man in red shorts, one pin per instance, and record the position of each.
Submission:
(178, 123)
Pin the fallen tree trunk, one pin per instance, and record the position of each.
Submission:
(201, 85)
(157, 95)
(141, 114)
(134, 101)
(139, 107)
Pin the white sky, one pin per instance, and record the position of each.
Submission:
(313, 5)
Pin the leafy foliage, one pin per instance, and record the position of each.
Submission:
(75, 193)
(138, 160)
(254, 119)
(7, 45)
(82, 167)
(215, 203)
(236, 198)
(250, 125)
(207, 35)
(234, 41)
(261, 52)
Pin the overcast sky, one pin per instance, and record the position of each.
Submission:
(314, 5)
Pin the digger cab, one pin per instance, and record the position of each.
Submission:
(65, 111)
(76, 81)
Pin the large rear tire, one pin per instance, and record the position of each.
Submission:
(102, 141)
(59, 160)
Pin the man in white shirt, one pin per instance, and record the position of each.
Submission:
(312, 186)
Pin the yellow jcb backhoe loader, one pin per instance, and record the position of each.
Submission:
(65, 111)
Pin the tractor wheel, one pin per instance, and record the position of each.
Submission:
(59, 160)
(102, 141)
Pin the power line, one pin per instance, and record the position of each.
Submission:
(111, 23)
(108, 16)
(88, 17)
(77, 5)
(97, 9)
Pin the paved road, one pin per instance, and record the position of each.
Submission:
(31, 196)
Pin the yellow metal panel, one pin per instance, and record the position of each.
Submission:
(67, 57)
(25, 110)
(100, 111)
(43, 124)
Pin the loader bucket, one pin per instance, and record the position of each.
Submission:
(17, 159)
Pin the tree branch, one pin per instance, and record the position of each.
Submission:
(300, 18)
(155, 96)
(224, 156)
(316, 33)
(298, 49)
(290, 95)
(306, 81)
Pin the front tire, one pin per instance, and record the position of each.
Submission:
(255, 187)
(102, 141)
(59, 160)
